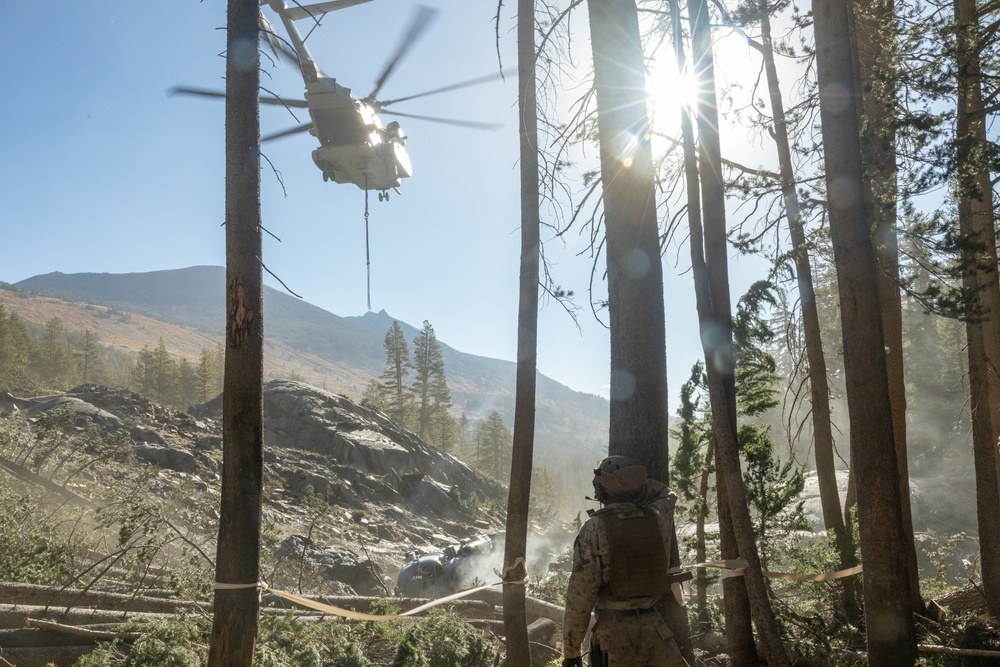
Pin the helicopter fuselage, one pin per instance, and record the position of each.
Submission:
(354, 146)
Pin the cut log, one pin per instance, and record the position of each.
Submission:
(968, 599)
(544, 631)
(12, 615)
(77, 631)
(533, 606)
(32, 594)
(968, 652)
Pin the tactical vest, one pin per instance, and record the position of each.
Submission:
(639, 563)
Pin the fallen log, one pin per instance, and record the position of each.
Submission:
(13, 615)
(968, 599)
(948, 650)
(47, 484)
(51, 596)
(76, 631)
(544, 631)
(532, 606)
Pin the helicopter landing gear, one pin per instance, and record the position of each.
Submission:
(383, 196)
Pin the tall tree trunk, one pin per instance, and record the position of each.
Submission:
(639, 426)
(976, 223)
(515, 546)
(701, 551)
(875, 36)
(741, 647)
(234, 628)
(889, 623)
(717, 333)
(819, 389)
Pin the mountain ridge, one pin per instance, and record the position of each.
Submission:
(338, 353)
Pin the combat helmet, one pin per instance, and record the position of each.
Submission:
(618, 478)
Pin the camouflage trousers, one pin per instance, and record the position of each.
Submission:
(637, 640)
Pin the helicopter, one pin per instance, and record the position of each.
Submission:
(354, 145)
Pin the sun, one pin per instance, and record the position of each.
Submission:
(668, 92)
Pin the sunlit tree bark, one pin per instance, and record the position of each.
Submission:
(515, 546)
(234, 628)
(819, 389)
(976, 224)
(889, 623)
(875, 35)
(715, 318)
(639, 425)
(739, 629)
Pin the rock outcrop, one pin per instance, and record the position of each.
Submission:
(384, 490)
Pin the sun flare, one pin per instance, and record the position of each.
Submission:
(669, 91)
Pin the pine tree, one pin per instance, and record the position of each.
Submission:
(772, 490)
(92, 370)
(220, 368)
(547, 492)
(205, 374)
(463, 435)
(15, 346)
(187, 385)
(691, 436)
(144, 377)
(430, 389)
(53, 360)
(494, 442)
(165, 374)
(397, 368)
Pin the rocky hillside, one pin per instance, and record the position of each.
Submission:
(345, 489)
(186, 308)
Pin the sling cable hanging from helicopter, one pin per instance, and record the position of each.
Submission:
(368, 257)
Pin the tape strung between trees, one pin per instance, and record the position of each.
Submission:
(356, 615)
(730, 568)
(736, 566)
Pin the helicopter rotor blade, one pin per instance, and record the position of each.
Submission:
(285, 133)
(313, 11)
(277, 45)
(444, 89)
(200, 92)
(284, 102)
(447, 121)
(417, 26)
(217, 94)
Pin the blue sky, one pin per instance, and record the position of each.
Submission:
(102, 171)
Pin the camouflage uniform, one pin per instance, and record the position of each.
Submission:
(629, 629)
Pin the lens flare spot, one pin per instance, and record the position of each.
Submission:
(837, 98)
(622, 384)
(243, 53)
(636, 264)
(845, 191)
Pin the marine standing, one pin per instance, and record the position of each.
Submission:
(621, 563)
